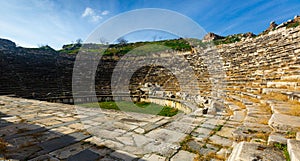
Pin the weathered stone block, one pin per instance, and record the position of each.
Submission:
(152, 157)
(183, 155)
(245, 151)
(276, 139)
(217, 140)
(165, 135)
(282, 122)
(294, 149)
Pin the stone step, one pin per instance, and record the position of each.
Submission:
(290, 77)
(276, 139)
(245, 151)
(293, 147)
(282, 122)
(283, 84)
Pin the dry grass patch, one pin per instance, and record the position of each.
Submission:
(184, 145)
(229, 112)
(238, 103)
(294, 108)
(255, 100)
(257, 91)
(228, 99)
(197, 158)
(275, 96)
(265, 107)
(263, 121)
(288, 80)
(294, 105)
(208, 157)
(262, 135)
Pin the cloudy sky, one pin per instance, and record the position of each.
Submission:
(31, 23)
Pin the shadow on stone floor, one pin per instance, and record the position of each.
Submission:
(24, 141)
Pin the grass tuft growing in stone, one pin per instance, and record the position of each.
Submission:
(293, 25)
(184, 142)
(290, 135)
(283, 147)
(218, 128)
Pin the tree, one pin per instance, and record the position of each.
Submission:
(78, 41)
(154, 37)
(122, 41)
(103, 41)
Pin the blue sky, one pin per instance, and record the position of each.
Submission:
(30, 23)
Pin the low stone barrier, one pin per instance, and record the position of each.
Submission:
(182, 105)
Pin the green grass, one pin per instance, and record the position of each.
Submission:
(184, 144)
(141, 107)
(135, 48)
(228, 39)
(293, 25)
(283, 147)
(218, 128)
(290, 134)
(148, 47)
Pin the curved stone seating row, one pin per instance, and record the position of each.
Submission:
(253, 81)
(183, 105)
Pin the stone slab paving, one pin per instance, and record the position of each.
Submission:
(152, 157)
(36, 130)
(183, 155)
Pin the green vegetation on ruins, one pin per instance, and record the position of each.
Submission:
(71, 48)
(232, 38)
(123, 48)
(46, 47)
(141, 107)
(292, 24)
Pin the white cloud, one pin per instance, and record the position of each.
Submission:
(96, 18)
(105, 13)
(88, 12)
(93, 15)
